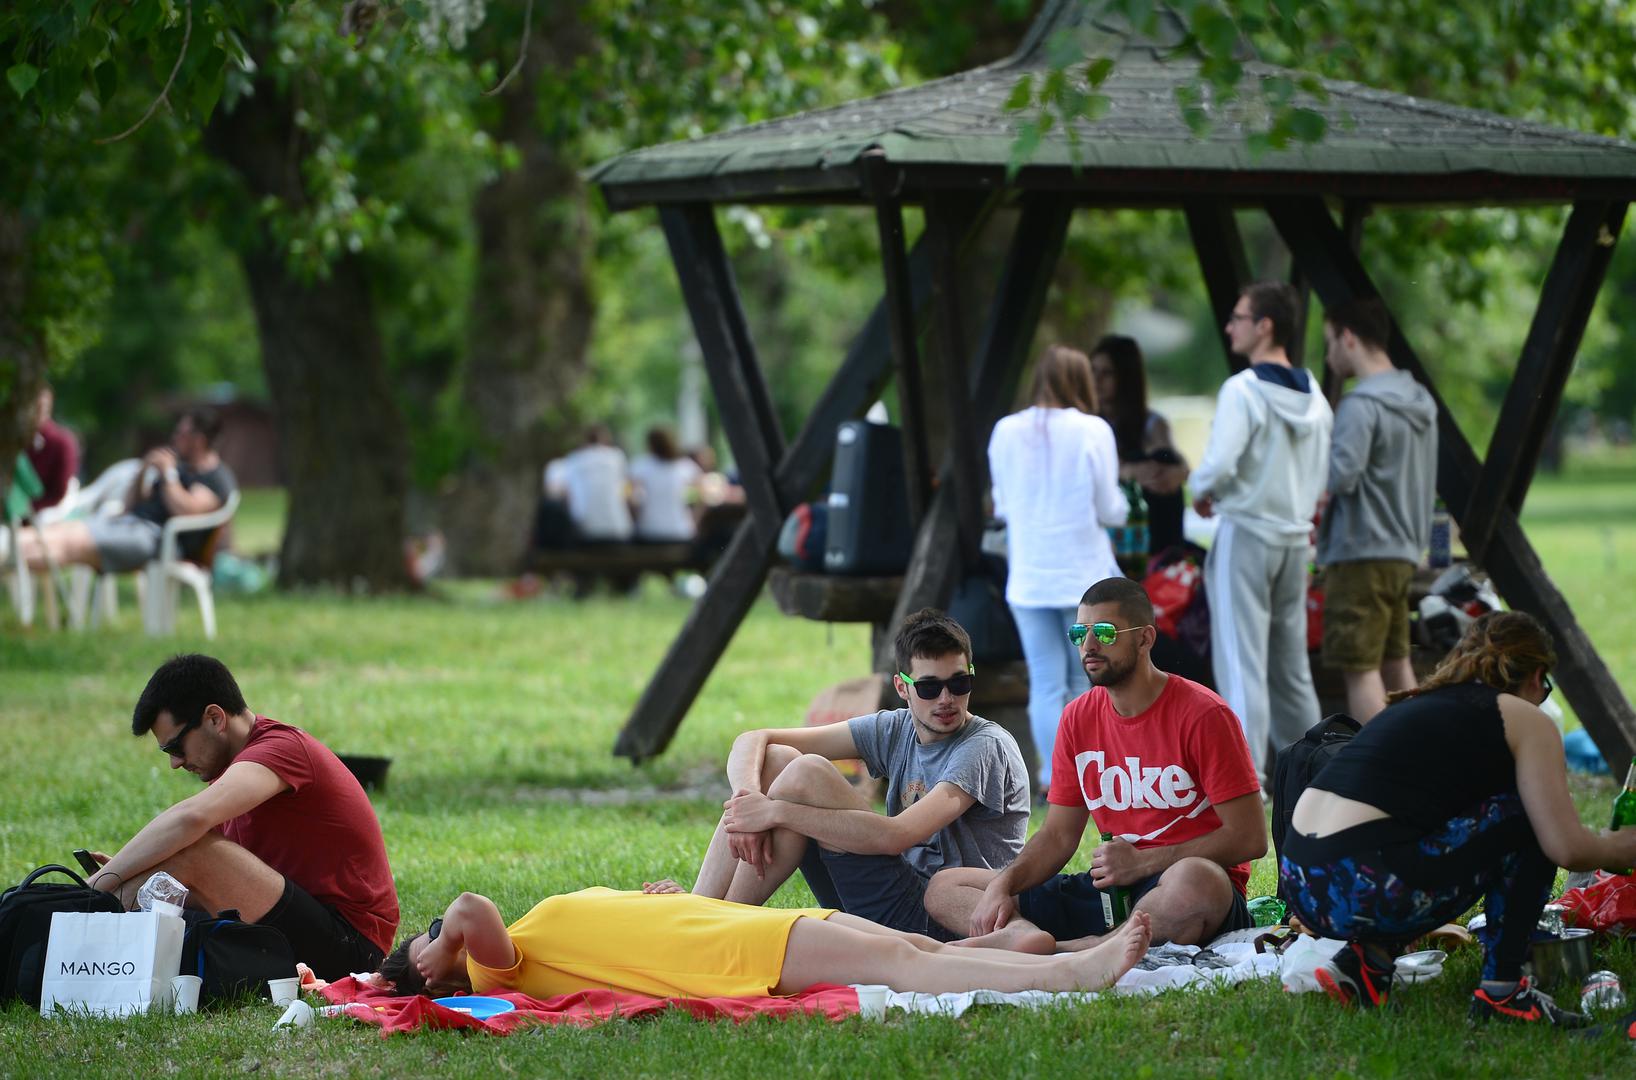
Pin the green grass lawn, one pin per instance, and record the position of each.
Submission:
(500, 717)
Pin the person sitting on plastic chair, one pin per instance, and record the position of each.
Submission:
(186, 478)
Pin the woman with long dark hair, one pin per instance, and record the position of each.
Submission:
(1455, 792)
(1054, 469)
(1147, 457)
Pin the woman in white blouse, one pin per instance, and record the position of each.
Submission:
(1055, 471)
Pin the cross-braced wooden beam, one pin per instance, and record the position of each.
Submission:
(1531, 402)
(1222, 261)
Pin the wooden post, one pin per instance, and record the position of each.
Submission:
(1353, 214)
(1222, 261)
(739, 573)
(1339, 277)
(948, 222)
(881, 182)
(1025, 279)
(1565, 304)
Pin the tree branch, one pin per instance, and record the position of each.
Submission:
(522, 53)
(187, 36)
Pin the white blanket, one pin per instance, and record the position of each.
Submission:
(1247, 964)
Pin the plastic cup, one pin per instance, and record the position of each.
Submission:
(299, 1014)
(872, 1000)
(284, 991)
(184, 990)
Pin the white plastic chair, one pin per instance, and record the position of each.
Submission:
(159, 582)
(165, 575)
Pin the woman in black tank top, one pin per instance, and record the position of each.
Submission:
(1422, 814)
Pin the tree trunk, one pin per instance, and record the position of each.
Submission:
(22, 352)
(531, 310)
(342, 438)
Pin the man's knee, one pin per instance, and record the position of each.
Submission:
(774, 760)
(1197, 886)
(947, 884)
(805, 778)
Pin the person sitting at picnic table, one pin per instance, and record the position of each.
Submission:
(664, 942)
(664, 484)
(1454, 792)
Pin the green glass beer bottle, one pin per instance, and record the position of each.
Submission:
(1115, 900)
(1624, 809)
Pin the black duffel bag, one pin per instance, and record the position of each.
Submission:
(25, 926)
(234, 959)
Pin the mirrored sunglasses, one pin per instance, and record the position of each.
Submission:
(1105, 632)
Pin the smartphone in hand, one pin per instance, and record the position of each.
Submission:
(83, 857)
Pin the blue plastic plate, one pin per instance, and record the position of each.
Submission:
(481, 1008)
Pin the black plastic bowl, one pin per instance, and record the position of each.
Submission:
(370, 771)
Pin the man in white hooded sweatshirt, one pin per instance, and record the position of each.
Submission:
(1262, 472)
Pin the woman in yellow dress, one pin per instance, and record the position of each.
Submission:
(664, 942)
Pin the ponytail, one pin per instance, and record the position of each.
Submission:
(1501, 649)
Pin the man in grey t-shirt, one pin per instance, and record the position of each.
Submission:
(957, 795)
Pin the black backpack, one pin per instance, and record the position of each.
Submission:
(234, 958)
(25, 926)
(1298, 763)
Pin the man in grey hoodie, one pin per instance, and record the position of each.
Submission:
(1262, 471)
(1382, 469)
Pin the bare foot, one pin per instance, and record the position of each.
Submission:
(1100, 967)
(1015, 937)
(663, 886)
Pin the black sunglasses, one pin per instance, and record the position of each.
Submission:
(174, 747)
(930, 689)
(434, 930)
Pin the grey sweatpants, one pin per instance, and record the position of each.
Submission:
(1258, 638)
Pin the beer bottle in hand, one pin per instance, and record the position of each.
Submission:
(1624, 809)
(1115, 900)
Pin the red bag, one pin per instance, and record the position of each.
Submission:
(1607, 904)
(1172, 587)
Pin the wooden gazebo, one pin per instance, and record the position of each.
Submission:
(943, 146)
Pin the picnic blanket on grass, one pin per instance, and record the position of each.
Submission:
(1167, 967)
(362, 1002)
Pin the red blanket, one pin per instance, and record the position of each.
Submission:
(587, 1007)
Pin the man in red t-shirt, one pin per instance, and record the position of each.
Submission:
(283, 833)
(1161, 764)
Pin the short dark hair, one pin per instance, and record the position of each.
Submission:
(1366, 317)
(662, 444)
(1278, 301)
(929, 633)
(406, 979)
(1129, 596)
(185, 686)
(206, 421)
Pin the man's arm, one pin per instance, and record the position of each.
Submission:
(244, 786)
(190, 499)
(1044, 855)
(1229, 435)
(858, 832)
(1349, 448)
(1241, 837)
(833, 741)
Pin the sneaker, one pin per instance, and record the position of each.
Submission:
(1524, 1005)
(1351, 980)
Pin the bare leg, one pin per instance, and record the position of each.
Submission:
(1365, 694)
(716, 873)
(830, 951)
(812, 781)
(953, 895)
(1187, 906)
(67, 543)
(219, 874)
(1398, 673)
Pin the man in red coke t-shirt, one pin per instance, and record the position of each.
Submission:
(283, 833)
(1160, 764)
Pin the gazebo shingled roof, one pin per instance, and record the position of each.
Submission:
(1380, 145)
(945, 144)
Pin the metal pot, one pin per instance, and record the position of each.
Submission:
(1565, 959)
